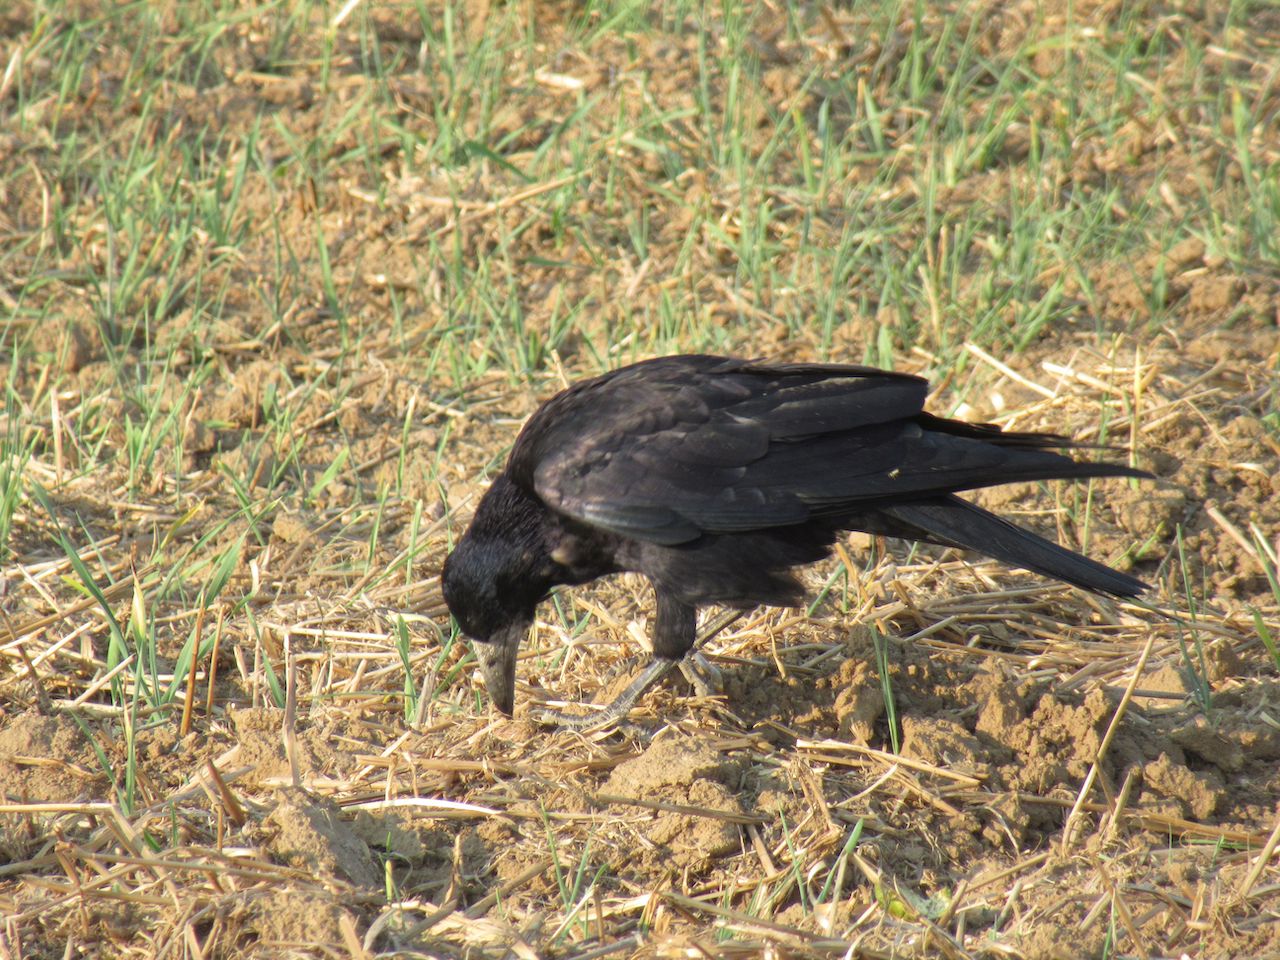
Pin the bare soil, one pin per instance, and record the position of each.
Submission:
(1045, 799)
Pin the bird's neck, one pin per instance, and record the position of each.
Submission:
(549, 548)
(513, 525)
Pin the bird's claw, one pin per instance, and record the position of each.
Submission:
(705, 678)
(615, 711)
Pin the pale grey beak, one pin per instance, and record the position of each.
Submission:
(497, 657)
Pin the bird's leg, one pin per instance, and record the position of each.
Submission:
(674, 640)
(673, 637)
(673, 627)
(658, 668)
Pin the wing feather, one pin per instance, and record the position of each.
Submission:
(670, 449)
(667, 450)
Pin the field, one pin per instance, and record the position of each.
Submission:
(281, 280)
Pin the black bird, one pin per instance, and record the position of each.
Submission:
(714, 476)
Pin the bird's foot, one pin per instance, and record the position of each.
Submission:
(615, 711)
(704, 677)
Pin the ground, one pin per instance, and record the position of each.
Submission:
(280, 283)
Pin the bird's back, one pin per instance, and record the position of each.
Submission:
(668, 450)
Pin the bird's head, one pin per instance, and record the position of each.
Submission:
(492, 609)
(493, 581)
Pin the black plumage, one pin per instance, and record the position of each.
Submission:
(714, 476)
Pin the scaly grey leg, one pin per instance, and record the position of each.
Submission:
(658, 668)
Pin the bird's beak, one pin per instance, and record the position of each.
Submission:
(497, 657)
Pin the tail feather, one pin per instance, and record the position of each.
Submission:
(957, 522)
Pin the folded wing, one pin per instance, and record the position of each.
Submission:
(678, 447)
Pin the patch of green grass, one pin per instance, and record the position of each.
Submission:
(1267, 557)
(1195, 667)
(832, 891)
(16, 447)
(576, 883)
(883, 670)
(404, 650)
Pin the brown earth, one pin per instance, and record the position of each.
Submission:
(717, 827)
